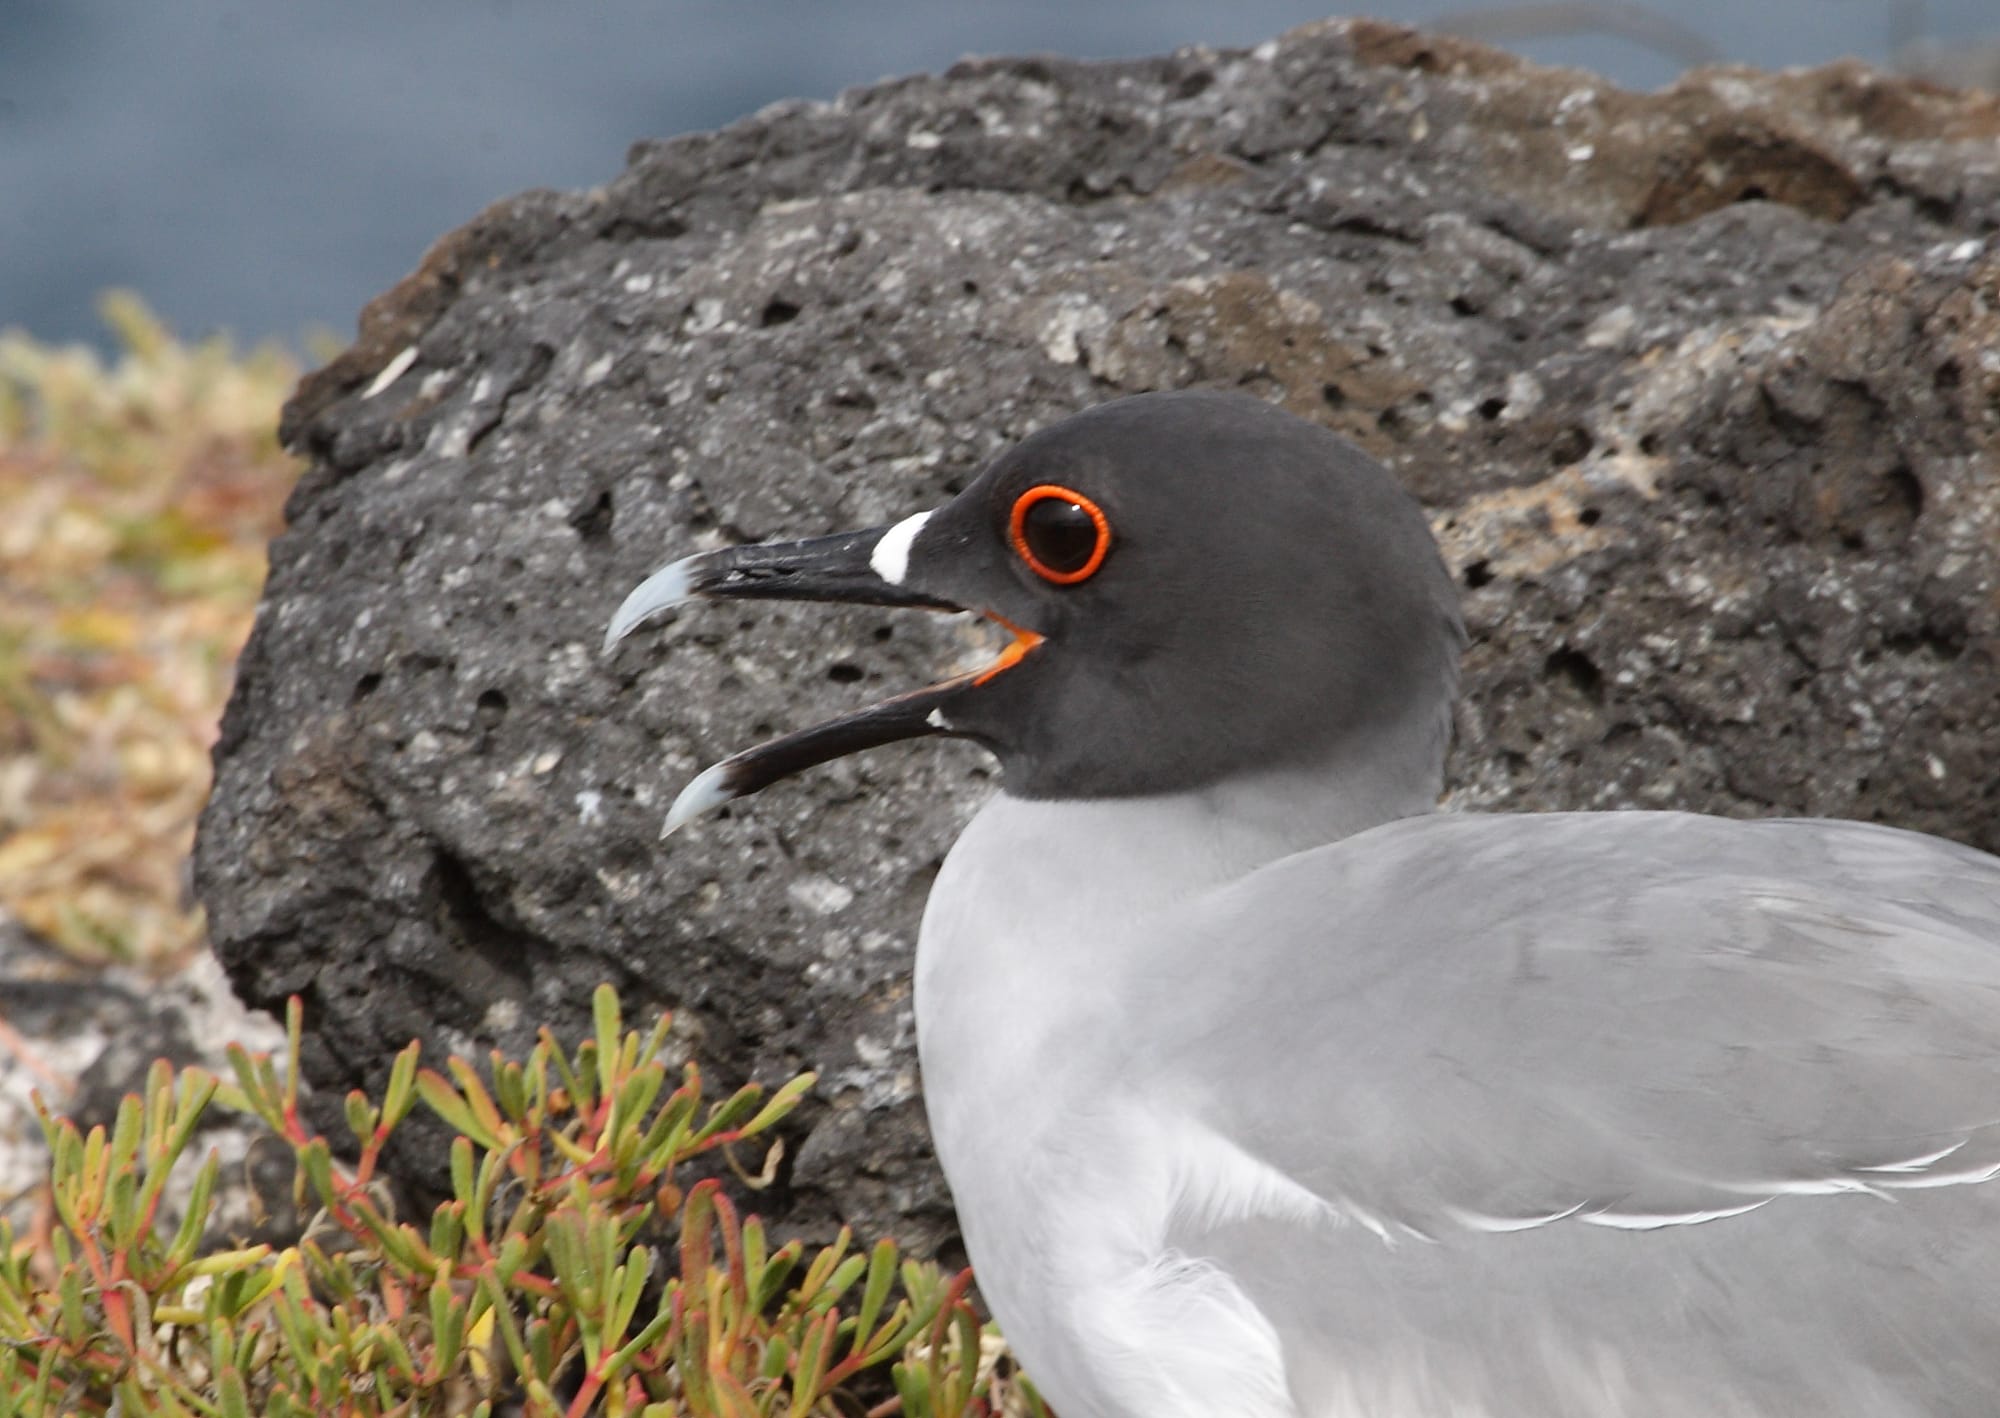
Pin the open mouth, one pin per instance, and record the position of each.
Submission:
(836, 568)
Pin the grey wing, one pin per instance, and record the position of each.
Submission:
(1606, 1102)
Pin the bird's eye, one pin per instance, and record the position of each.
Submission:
(1061, 534)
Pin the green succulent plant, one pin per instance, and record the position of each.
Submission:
(536, 1288)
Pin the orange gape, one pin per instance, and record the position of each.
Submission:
(1024, 640)
(1053, 516)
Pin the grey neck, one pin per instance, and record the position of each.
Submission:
(1141, 853)
(1252, 819)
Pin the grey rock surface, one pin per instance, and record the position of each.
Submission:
(1701, 387)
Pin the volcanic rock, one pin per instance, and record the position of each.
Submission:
(1701, 387)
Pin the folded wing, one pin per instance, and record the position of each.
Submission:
(1642, 1103)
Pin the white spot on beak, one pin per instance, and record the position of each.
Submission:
(891, 558)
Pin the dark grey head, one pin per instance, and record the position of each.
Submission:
(1199, 583)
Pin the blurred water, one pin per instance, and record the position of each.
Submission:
(267, 167)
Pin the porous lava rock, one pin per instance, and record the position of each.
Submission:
(1701, 387)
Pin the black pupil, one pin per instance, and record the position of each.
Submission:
(1060, 534)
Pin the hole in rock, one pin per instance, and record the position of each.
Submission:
(1579, 670)
(491, 709)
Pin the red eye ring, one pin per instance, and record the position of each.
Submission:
(1018, 531)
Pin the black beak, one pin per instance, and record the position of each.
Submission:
(850, 566)
(836, 568)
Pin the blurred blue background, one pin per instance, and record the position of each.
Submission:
(266, 168)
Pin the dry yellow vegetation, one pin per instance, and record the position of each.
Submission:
(136, 499)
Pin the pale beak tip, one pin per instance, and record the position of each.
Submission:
(708, 791)
(666, 588)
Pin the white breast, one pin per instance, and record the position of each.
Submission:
(1066, 1172)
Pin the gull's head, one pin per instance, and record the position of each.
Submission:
(1195, 584)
